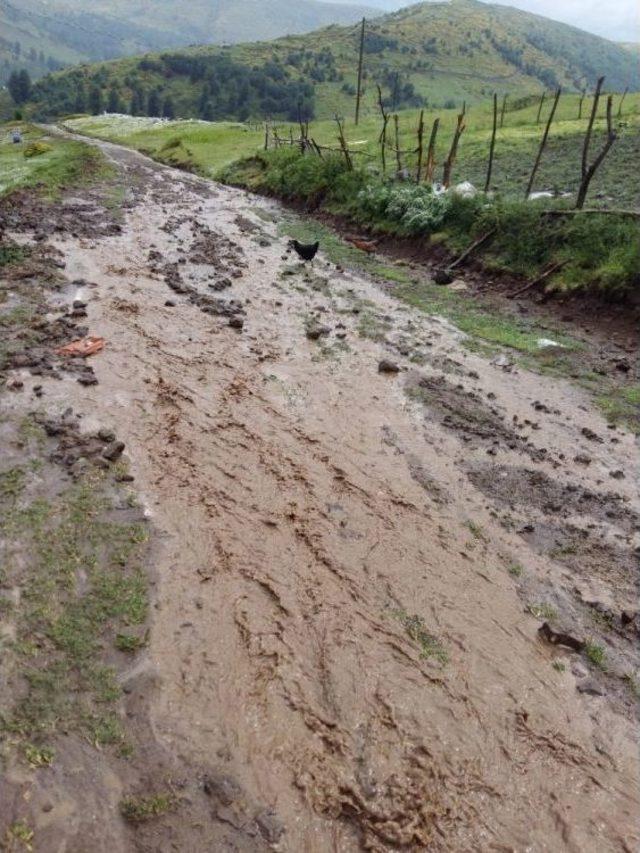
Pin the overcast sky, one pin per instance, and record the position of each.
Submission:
(618, 20)
(614, 19)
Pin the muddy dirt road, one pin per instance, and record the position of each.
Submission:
(353, 560)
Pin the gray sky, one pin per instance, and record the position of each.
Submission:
(618, 20)
(614, 19)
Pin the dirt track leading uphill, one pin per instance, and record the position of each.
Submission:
(341, 652)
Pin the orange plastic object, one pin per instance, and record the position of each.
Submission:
(84, 347)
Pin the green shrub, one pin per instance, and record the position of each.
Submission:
(35, 149)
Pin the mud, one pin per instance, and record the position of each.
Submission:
(341, 655)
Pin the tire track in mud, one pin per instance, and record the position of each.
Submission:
(326, 534)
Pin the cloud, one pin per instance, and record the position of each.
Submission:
(618, 20)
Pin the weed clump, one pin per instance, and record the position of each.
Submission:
(140, 809)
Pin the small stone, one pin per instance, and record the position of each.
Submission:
(88, 379)
(317, 331)
(15, 384)
(113, 451)
(106, 435)
(590, 434)
(124, 478)
(582, 459)
(236, 322)
(617, 475)
(386, 366)
(170, 303)
(442, 276)
(590, 687)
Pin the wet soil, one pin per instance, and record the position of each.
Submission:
(351, 564)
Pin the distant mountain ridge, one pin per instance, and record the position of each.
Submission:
(71, 31)
(436, 54)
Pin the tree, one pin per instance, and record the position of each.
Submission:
(95, 100)
(114, 102)
(80, 104)
(19, 86)
(168, 110)
(154, 107)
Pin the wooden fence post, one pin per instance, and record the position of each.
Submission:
(493, 143)
(588, 171)
(624, 95)
(451, 157)
(544, 94)
(343, 144)
(502, 111)
(420, 149)
(397, 126)
(383, 133)
(543, 143)
(431, 152)
(360, 61)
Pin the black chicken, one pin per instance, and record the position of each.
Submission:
(305, 251)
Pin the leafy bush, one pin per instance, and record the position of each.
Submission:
(416, 208)
(35, 149)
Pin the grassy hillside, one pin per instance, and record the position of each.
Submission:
(41, 36)
(206, 148)
(436, 54)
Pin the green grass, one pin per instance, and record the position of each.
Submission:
(429, 645)
(543, 611)
(62, 163)
(207, 147)
(596, 654)
(141, 809)
(82, 583)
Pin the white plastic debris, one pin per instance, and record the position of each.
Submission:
(465, 190)
(543, 343)
(541, 194)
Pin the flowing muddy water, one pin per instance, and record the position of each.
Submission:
(341, 634)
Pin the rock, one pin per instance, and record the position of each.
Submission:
(559, 638)
(236, 322)
(579, 670)
(270, 826)
(442, 276)
(386, 366)
(503, 361)
(124, 478)
(590, 687)
(223, 788)
(78, 303)
(15, 384)
(106, 435)
(170, 303)
(617, 475)
(88, 379)
(590, 435)
(317, 331)
(113, 451)
(582, 459)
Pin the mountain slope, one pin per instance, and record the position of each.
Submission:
(68, 31)
(435, 53)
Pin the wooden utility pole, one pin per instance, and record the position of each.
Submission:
(502, 111)
(540, 105)
(420, 149)
(588, 171)
(431, 152)
(383, 133)
(492, 146)
(360, 62)
(543, 143)
(451, 157)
